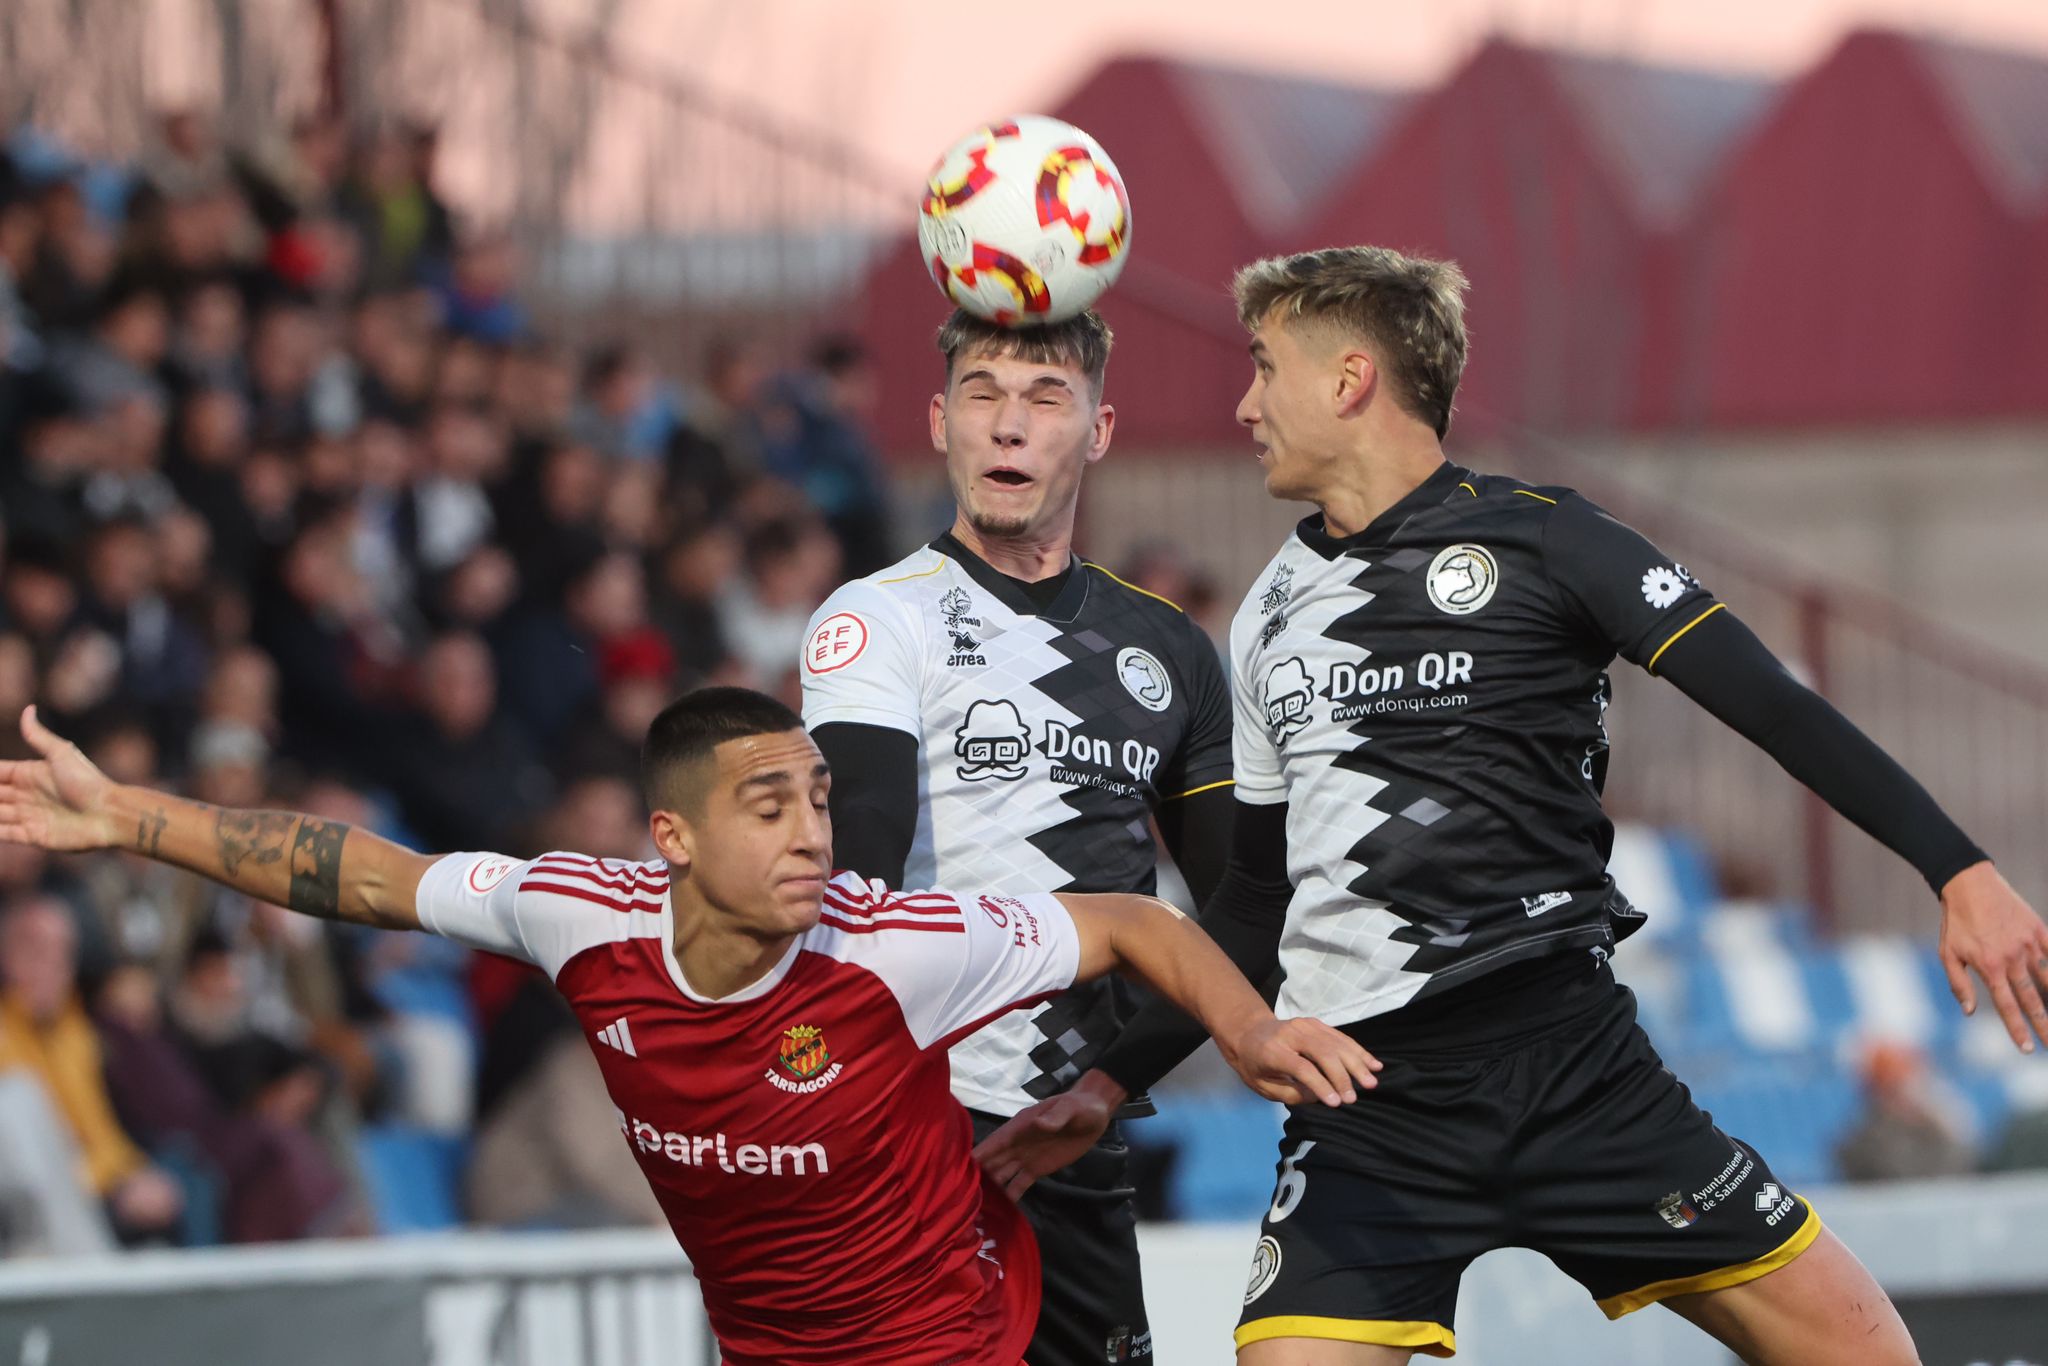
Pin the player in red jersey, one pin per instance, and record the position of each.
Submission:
(773, 1036)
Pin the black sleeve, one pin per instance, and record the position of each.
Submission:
(1196, 830)
(1203, 759)
(874, 797)
(1245, 918)
(1614, 585)
(1720, 664)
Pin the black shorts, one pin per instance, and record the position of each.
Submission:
(1086, 1219)
(1572, 1139)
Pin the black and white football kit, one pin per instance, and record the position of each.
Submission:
(1021, 736)
(1419, 759)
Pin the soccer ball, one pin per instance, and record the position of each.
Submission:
(1025, 222)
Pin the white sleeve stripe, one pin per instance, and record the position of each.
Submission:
(877, 926)
(554, 863)
(894, 917)
(858, 911)
(614, 901)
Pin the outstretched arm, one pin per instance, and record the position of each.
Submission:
(1294, 1061)
(60, 800)
(1986, 927)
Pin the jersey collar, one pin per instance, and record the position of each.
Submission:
(752, 991)
(1428, 493)
(1066, 603)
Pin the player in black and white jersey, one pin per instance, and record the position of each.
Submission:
(1419, 678)
(996, 709)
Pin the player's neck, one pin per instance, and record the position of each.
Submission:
(1366, 485)
(716, 958)
(1031, 557)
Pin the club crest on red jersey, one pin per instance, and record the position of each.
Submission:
(803, 1051)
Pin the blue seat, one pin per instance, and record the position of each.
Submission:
(415, 1177)
(1229, 1149)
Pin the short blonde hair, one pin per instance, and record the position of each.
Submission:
(1409, 309)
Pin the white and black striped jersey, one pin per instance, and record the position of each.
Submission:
(1047, 736)
(1427, 697)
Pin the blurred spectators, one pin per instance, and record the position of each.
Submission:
(544, 1148)
(2022, 1145)
(45, 1031)
(814, 435)
(1911, 1126)
(298, 505)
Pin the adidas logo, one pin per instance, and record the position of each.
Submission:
(617, 1035)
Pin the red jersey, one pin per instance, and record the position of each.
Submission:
(800, 1133)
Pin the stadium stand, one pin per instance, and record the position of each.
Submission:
(302, 507)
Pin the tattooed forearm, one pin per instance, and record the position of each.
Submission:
(253, 836)
(149, 832)
(316, 867)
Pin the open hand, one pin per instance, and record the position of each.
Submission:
(1049, 1135)
(1986, 928)
(58, 801)
(1300, 1061)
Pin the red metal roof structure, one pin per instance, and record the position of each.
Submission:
(1650, 248)
(1875, 252)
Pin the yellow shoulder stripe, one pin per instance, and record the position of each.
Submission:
(1469, 489)
(1651, 667)
(1537, 496)
(1135, 589)
(1205, 787)
(920, 574)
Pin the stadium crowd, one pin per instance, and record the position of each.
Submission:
(302, 507)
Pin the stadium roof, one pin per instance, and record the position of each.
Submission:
(1873, 252)
(1661, 131)
(1283, 141)
(2001, 100)
(1649, 247)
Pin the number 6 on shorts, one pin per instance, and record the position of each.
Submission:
(1293, 1182)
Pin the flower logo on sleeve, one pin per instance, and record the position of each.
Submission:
(1666, 584)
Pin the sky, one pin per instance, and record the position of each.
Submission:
(904, 78)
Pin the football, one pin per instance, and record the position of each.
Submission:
(1025, 222)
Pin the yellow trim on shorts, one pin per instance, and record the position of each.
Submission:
(1650, 1294)
(1431, 1339)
